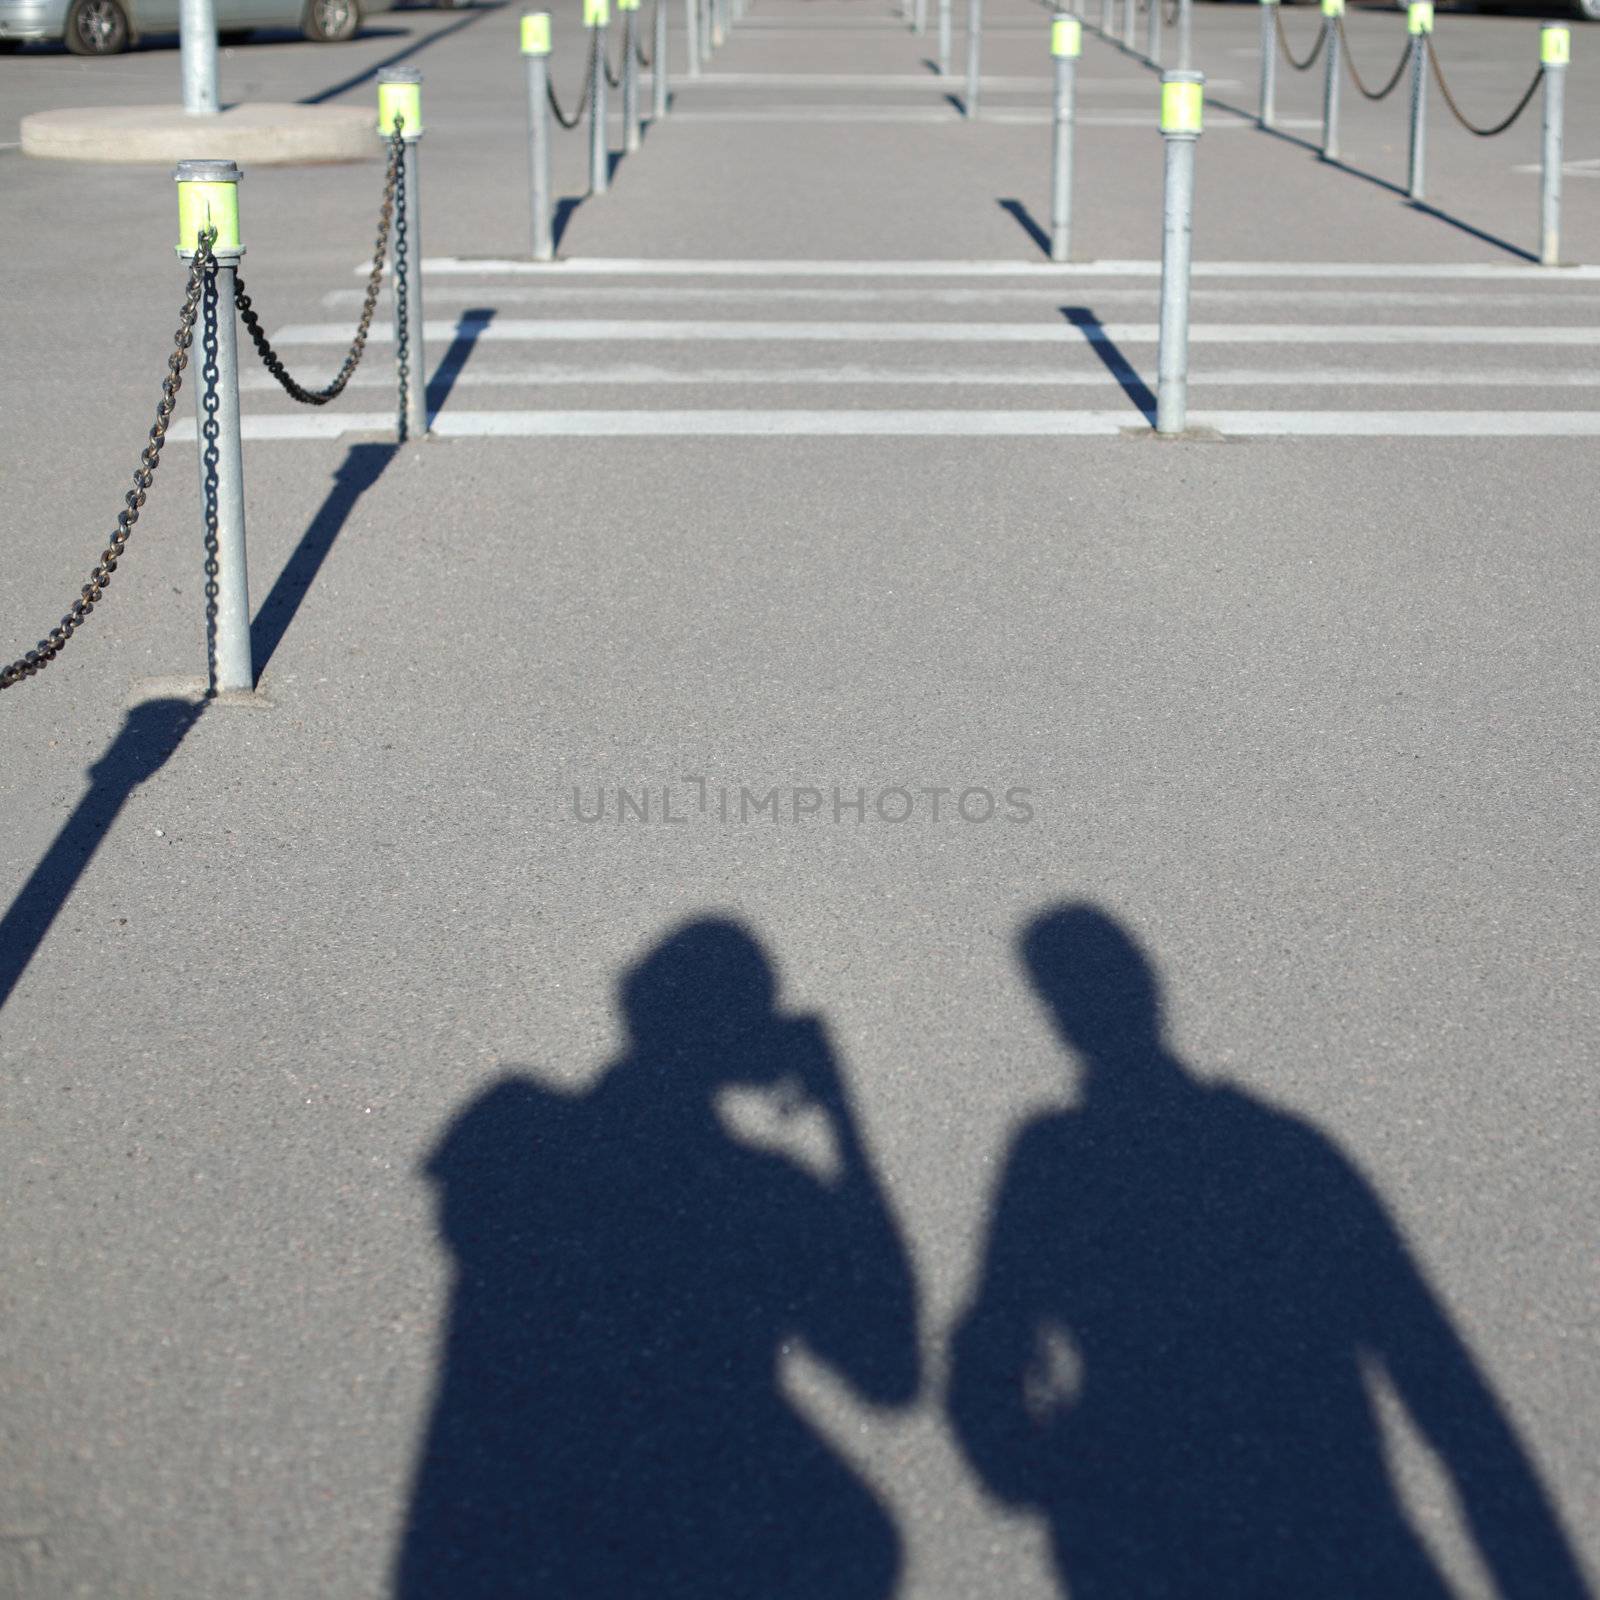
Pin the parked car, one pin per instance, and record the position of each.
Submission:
(108, 27)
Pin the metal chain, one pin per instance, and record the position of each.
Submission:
(613, 78)
(644, 61)
(588, 84)
(358, 345)
(1460, 116)
(48, 648)
(208, 433)
(1283, 43)
(1355, 77)
(1171, 13)
(402, 313)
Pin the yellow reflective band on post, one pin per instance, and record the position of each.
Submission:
(1333, 8)
(536, 33)
(596, 13)
(1066, 37)
(1555, 46)
(1419, 17)
(400, 100)
(1181, 107)
(202, 206)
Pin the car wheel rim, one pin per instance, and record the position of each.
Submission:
(97, 23)
(332, 15)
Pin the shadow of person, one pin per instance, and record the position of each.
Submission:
(609, 1419)
(1184, 1298)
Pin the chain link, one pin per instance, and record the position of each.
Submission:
(36, 660)
(588, 84)
(1283, 43)
(1460, 115)
(613, 78)
(252, 323)
(1355, 76)
(402, 313)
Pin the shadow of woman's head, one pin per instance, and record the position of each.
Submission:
(701, 998)
(1099, 986)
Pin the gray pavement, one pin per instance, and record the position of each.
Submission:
(1310, 718)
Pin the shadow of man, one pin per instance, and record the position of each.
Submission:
(1184, 1296)
(609, 1420)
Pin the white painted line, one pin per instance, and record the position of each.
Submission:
(643, 267)
(541, 375)
(1023, 118)
(1582, 301)
(921, 424)
(512, 330)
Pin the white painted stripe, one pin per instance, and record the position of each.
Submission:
(1022, 118)
(644, 267)
(922, 424)
(512, 330)
(1581, 301)
(541, 375)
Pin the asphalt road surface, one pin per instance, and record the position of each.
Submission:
(820, 969)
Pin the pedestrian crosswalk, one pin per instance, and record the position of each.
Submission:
(982, 349)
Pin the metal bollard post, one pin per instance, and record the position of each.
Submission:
(1066, 45)
(1419, 24)
(706, 40)
(919, 16)
(691, 21)
(1555, 51)
(718, 28)
(197, 56)
(208, 197)
(1185, 35)
(597, 18)
(1105, 18)
(630, 74)
(1152, 32)
(974, 54)
(1182, 106)
(658, 65)
(1268, 112)
(1130, 16)
(536, 52)
(400, 96)
(944, 38)
(1332, 11)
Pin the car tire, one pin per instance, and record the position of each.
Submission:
(1586, 10)
(235, 35)
(331, 20)
(96, 28)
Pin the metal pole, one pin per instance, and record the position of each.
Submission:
(919, 16)
(975, 53)
(1332, 10)
(691, 20)
(597, 15)
(400, 96)
(1066, 44)
(630, 74)
(208, 199)
(197, 56)
(536, 52)
(944, 38)
(1419, 24)
(1182, 102)
(1105, 18)
(1268, 112)
(718, 30)
(1129, 24)
(658, 65)
(1185, 35)
(1555, 51)
(1152, 32)
(706, 40)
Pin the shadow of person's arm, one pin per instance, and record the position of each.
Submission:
(995, 1345)
(1513, 1522)
(858, 1299)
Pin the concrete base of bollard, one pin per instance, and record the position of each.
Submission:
(257, 135)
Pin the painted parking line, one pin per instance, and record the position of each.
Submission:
(637, 375)
(728, 424)
(644, 267)
(511, 330)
